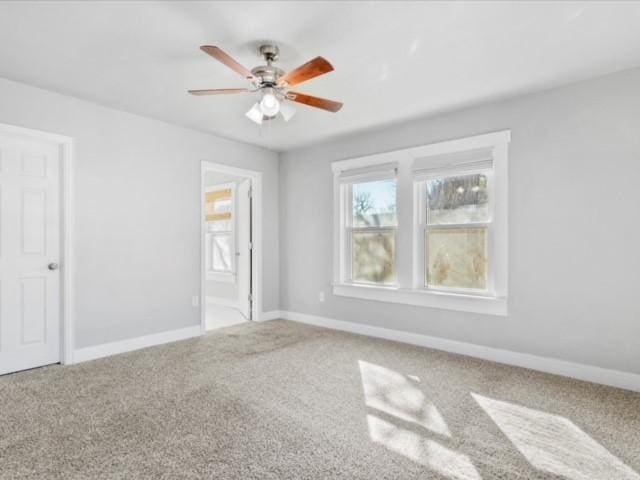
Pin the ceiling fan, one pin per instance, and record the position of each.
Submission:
(273, 84)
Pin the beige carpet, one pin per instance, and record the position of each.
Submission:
(279, 400)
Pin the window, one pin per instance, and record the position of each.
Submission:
(456, 231)
(372, 231)
(425, 226)
(219, 209)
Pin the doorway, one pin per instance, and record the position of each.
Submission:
(35, 247)
(230, 253)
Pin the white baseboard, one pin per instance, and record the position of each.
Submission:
(114, 348)
(589, 373)
(272, 315)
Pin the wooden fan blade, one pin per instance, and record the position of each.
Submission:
(219, 55)
(313, 68)
(218, 91)
(312, 101)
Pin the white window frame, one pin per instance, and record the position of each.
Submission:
(422, 228)
(222, 275)
(350, 229)
(410, 257)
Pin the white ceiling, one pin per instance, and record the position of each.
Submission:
(393, 60)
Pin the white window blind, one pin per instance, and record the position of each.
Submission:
(471, 160)
(373, 172)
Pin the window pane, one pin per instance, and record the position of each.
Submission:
(221, 247)
(457, 258)
(374, 203)
(222, 205)
(460, 199)
(373, 257)
(218, 205)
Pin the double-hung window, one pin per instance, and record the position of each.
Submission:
(369, 223)
(372, 231)
(455, 219)
(220, 234)
(425, 226)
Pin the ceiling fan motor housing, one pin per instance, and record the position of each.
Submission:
(268, 75)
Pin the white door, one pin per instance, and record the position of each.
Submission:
(243, 245)
(29, 253)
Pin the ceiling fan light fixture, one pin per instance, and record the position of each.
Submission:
(269, 105)
(287, 111)
(255, 114)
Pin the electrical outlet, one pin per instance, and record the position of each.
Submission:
(195, 300)
(321, 296)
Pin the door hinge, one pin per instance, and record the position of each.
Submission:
(249, 192)
(250, 298)
(250, 245)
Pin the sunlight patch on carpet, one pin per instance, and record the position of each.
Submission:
(397, 395)
(422, 450)
(554, 444)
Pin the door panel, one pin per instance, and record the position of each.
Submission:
(34, 165)
(33, 221)
(29, 242)
(32, 311)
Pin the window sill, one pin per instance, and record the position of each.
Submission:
(441, 300)
(221, 277)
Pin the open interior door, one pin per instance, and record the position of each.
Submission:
(244, 247)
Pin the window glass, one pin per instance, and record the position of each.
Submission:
(222, 206)
(457, 257)
(221, 249)
(374, 203)
(219, 206)
(459, 199)
(373, 256)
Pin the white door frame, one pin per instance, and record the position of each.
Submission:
(256, 229)
(67, 290)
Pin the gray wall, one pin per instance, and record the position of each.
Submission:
(137, 189)
(574, 230)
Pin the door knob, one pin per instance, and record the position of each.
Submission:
(53, 266)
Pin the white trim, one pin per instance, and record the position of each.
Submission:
(424, 298)
(67, 229)
(122, 346)
(410, 258)
(588, 373)
(271, 315)
(68, 265)
(256, 227)
(433, 149)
